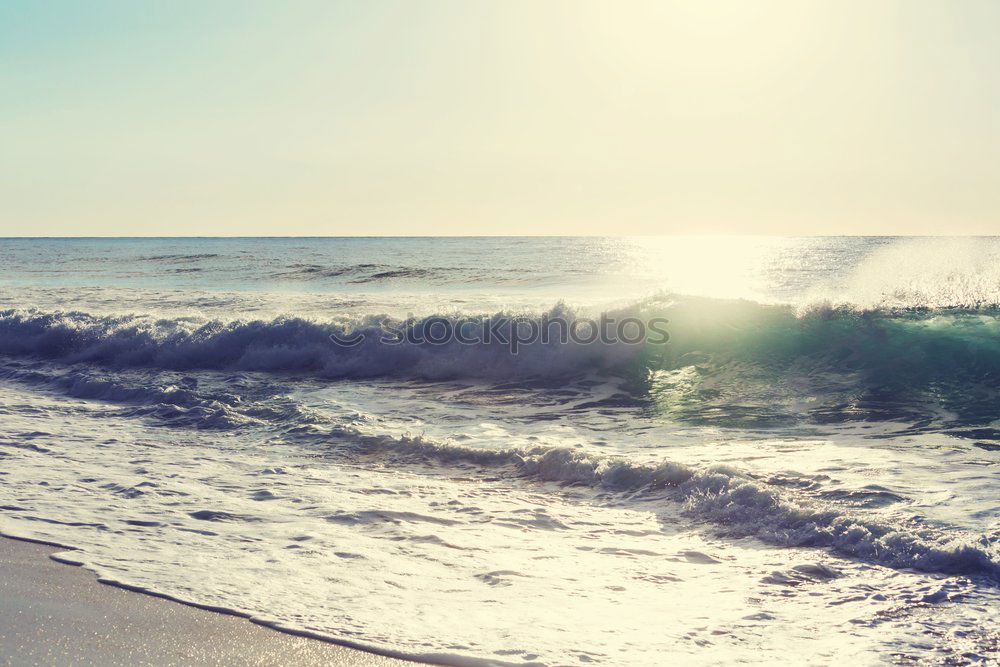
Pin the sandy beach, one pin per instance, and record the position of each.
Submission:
(59, 614)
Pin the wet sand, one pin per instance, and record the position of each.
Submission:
(51, 613)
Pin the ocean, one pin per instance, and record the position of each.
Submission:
(337, 437)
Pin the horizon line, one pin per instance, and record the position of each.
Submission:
(482, 236)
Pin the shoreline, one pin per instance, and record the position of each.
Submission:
(52, 614)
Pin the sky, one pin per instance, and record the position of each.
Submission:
(406, 117)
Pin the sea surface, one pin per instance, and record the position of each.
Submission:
(807, 471)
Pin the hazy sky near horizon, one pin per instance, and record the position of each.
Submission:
(322, 117)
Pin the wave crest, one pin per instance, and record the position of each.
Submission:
(288, 344)
(726, 342)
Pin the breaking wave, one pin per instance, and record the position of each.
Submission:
(287, 344)
(729, 363)
(738, 503)
(937, 348)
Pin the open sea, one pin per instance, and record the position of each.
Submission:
(807, 470)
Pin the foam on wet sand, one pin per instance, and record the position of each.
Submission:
(52, 613)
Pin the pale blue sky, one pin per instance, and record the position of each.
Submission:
(470, 117)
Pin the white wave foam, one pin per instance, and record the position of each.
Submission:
(729, 498)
